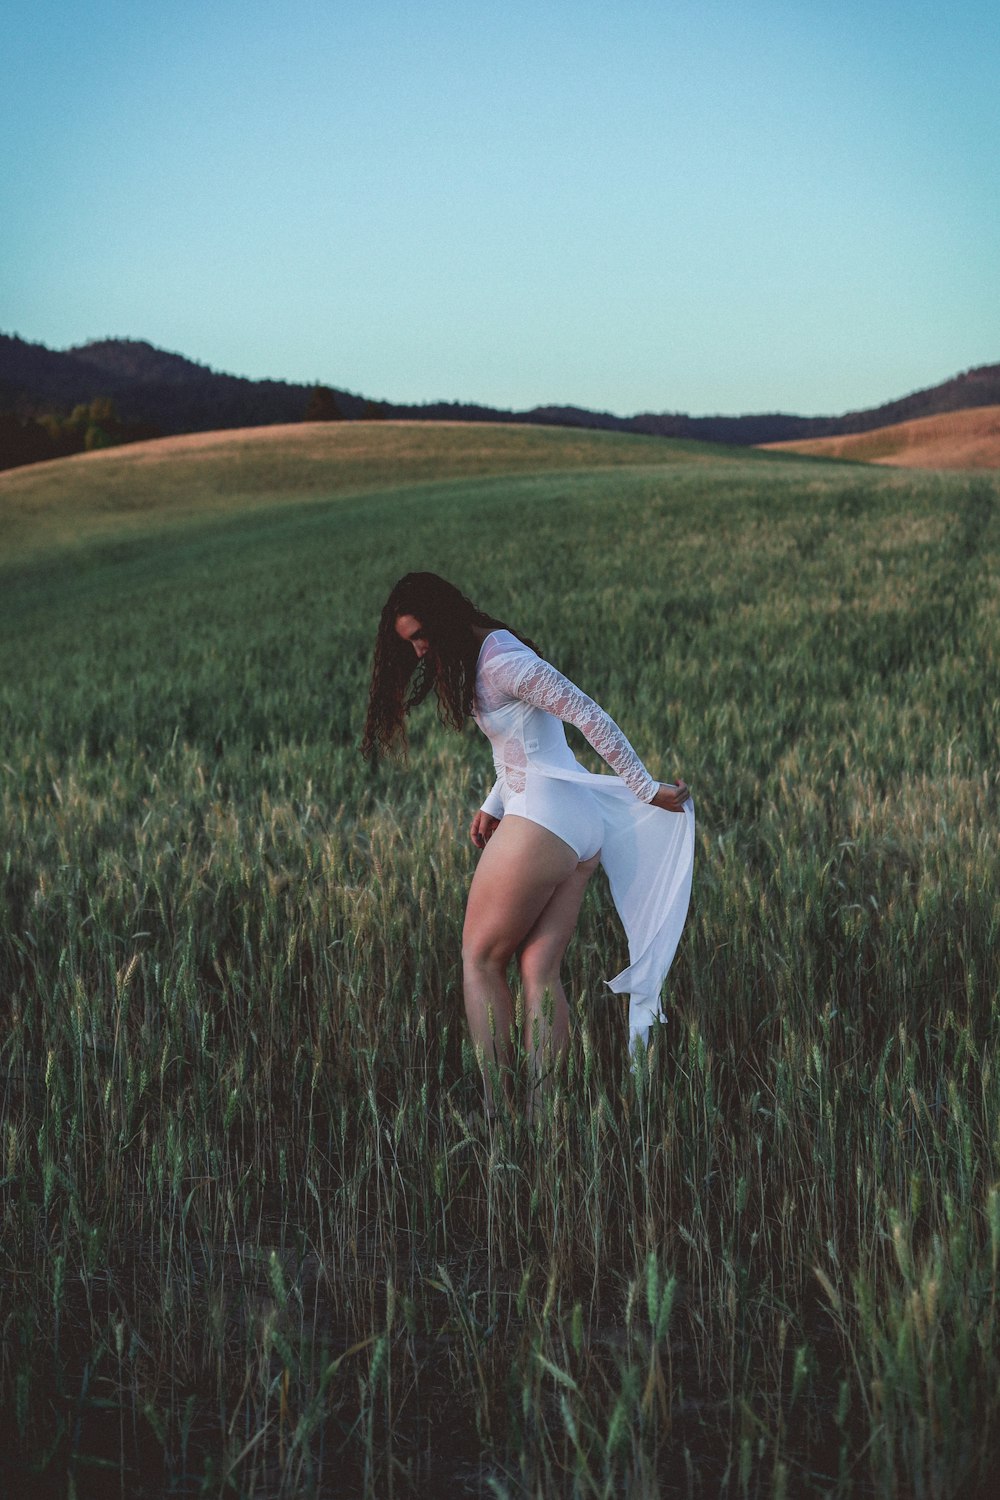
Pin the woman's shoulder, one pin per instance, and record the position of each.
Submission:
(501, 642)
(502, 659)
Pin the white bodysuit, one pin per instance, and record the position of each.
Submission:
(647, 853)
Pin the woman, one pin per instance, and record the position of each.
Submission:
(546, 824)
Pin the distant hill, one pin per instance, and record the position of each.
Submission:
(155, 391)
(950, 440)
(147, 385)
(194, 476)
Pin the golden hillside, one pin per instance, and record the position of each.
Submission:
(952, 440)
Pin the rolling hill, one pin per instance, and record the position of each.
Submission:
(950, 440)
(198, 476)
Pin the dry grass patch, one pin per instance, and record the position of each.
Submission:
(952, 440)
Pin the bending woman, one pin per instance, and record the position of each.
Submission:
(546, 824)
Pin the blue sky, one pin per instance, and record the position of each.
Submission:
(638, 205)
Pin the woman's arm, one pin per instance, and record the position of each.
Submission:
(488, 817)
(494, 801)
(540, 684)
(522, 674)
(484, 825)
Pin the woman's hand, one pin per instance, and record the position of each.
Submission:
(672, 796)
(484, 825)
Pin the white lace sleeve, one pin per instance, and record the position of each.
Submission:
(535, 681)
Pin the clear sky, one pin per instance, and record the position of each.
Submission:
(634, 205)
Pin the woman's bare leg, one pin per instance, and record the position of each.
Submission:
(518, 872)
(546, 1013)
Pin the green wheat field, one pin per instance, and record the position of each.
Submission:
(255, 1241)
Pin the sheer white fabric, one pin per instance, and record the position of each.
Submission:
(648, 854)
(508, 669)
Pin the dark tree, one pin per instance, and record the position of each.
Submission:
(24, 441)
(322, 406)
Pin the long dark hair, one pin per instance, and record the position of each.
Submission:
(400, 680)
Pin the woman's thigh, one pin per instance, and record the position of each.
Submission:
(544, 946)
(517, 874)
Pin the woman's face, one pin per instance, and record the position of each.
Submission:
(409, 629)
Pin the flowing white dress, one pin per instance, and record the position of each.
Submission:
(647, 853)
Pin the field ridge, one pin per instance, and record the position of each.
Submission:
(195, 476)
(950, 440)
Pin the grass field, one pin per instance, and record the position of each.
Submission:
(183, 481)
(250, 1244)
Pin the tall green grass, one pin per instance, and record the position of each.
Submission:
(254, 1241)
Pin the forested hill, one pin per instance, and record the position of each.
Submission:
(113, 390)
(147, 385)
(973, 388)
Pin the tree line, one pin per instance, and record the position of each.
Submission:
(90, 425)
(97, 424)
